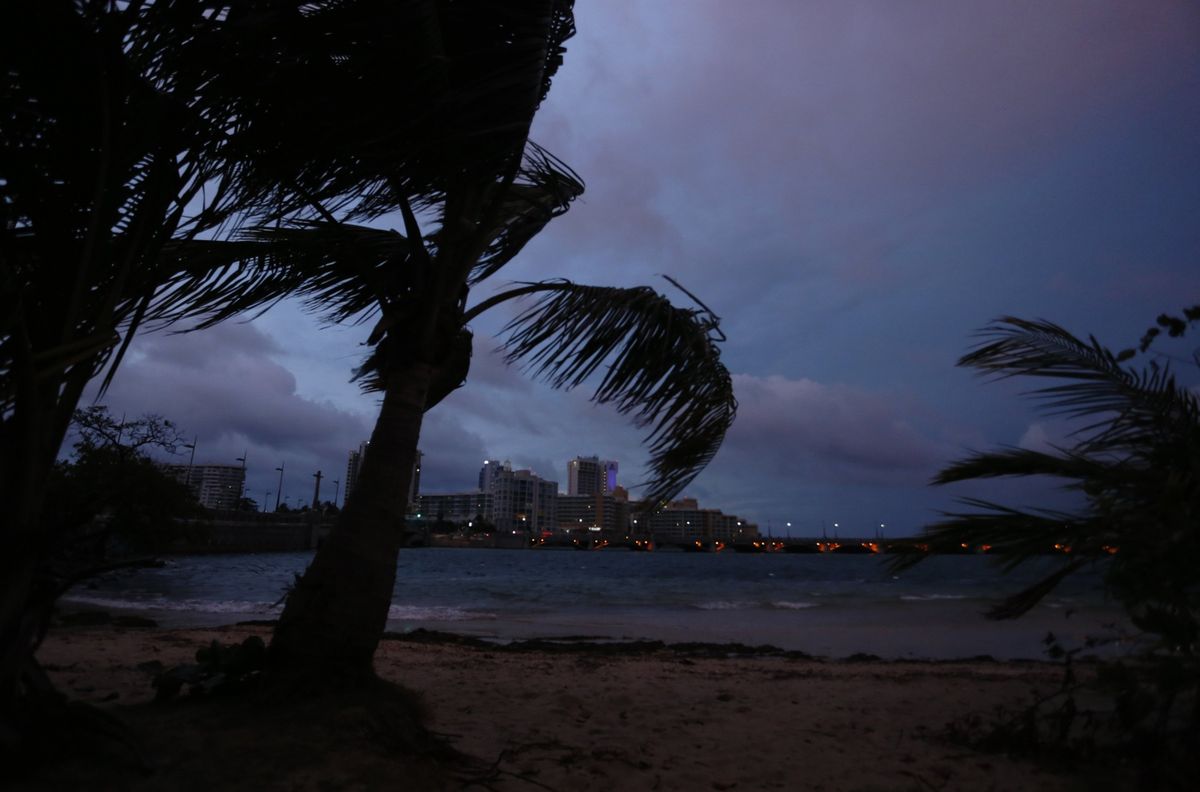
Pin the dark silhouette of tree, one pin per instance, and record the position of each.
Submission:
(1136, 465)
(126, 127)
(471, 191)
(110, 491)
(109, 146)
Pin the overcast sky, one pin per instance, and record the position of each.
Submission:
(854, 187)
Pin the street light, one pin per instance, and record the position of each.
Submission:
(266, 499)
(337, 487)
(279, 491)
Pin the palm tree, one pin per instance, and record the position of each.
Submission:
(1135, 463)
(106, 139)
(485, 191)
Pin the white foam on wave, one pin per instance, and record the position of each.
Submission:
(163, 604)
(433, 613)
(931, 597)
(793, 605)
(397, 612)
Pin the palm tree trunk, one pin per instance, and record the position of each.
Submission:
(31, 436)
(335, 616)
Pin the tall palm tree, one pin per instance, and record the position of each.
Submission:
(485, 191)
(1135, 462)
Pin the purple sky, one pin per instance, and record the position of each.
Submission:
(854, 187)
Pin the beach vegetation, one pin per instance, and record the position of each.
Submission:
(108, 499)
(1134, 465)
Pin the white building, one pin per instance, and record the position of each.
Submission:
(521, 500)
(215, 486)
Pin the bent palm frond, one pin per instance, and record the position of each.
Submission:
(543, 189)
(1147, 404)
(344, 272)
(1136, 464)
(661, 363)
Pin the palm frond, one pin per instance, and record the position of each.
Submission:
(421, 95)
(661, 364)
(1144, 405)
(1022, 462)
(1023, 601)
(543, 189)
(344, 272)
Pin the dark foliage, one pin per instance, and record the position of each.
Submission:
(1136, 464)
(110, 496)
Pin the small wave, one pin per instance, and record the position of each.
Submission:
(931, 597)
(793, 605)
(724, 605)
(433, 613)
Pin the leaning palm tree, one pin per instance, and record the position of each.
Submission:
(1135, 463)
(476, 195)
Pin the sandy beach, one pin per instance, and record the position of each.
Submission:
(575, 718)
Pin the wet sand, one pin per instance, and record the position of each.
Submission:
(593, 717)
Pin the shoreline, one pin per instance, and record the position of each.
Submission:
(940, 630)
(588, 715)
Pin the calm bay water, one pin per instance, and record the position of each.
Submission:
(831, 605)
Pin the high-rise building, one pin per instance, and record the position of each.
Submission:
(489, 471)
(521, 500)
(215, 486)
(354, 465)
(591, 476)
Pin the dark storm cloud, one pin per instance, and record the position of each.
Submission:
(825, 432)
(223, 386)
(854, 186)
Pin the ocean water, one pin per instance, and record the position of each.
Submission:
(829, 605)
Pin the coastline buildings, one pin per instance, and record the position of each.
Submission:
(683, 521)
(591, 476)
(521, 502)
(599, 512)
(514, 501)
(215, 486)
(456, 507)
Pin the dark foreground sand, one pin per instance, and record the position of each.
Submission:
(576, 719)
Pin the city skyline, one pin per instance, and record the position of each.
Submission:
(864, 199)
